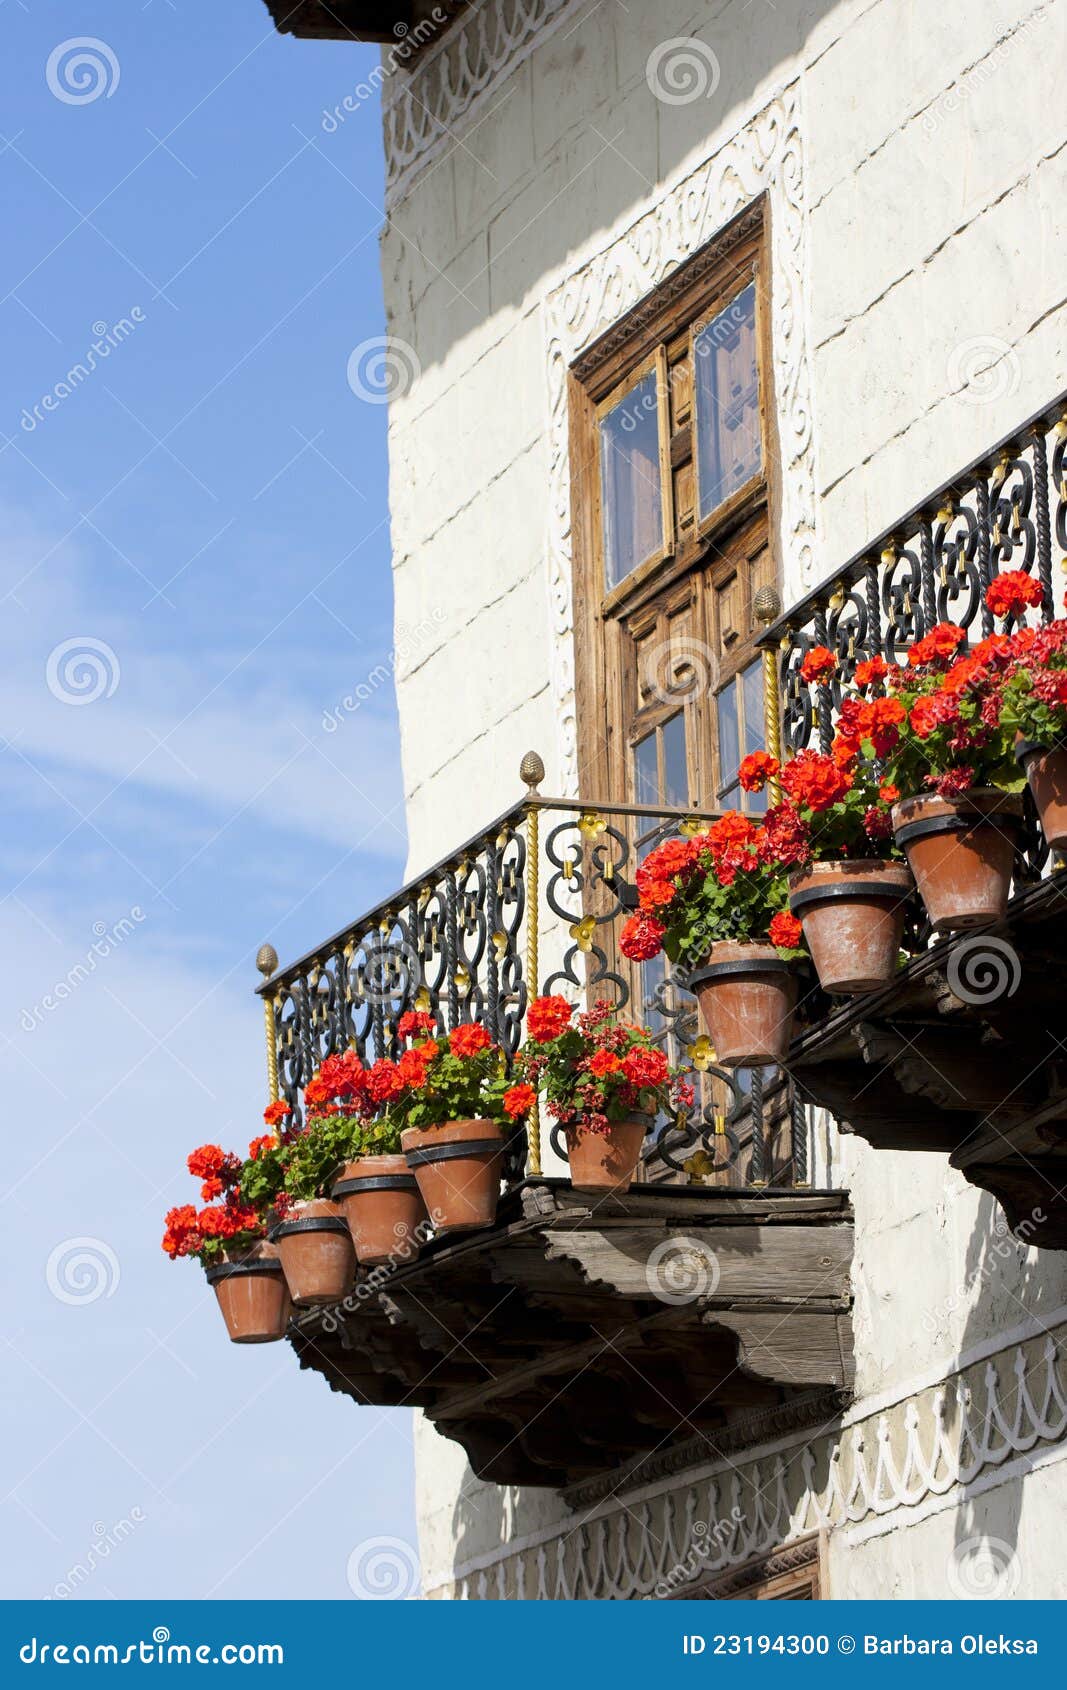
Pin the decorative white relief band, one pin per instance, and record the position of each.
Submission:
(765, 156)
(421, 108)
(984, 1418)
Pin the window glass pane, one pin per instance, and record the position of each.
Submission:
(630, 490)
(727, 401)
(752, 681)
(729, 736)
(675, 769)
(646, 774)
(754, 735)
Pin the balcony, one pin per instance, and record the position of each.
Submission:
(963, 1053)
(718, 1286)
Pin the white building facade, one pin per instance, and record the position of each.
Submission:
(899, 170)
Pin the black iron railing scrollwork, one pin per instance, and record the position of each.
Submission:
(1004, 511)
(457, 941)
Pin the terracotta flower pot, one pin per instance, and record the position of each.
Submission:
(853, 919)
(252, 1295)
(379, 1198)
(316, 1252)
(1046, 772)
(607, 1161)
(747, 995)
(961, 852)
(458, 1166)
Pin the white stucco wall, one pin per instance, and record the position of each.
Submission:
(915, 159)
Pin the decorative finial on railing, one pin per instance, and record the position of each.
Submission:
(767, 605)
(532, 771)
(267, 963)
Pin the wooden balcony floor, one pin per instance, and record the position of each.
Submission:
(546, 1346)
(965, 1054)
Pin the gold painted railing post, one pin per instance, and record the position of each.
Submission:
(267, 963)
(767, 607)
(532, 772)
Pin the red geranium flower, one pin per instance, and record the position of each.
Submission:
(872, 670)
(411, 1069)
(641, 939)
(259, 1146)
(888, 793)
(785, 931)
(784, 841)
(953, 783)
(880, 723)
(939, 644)
(469, 1039)
(275, 1113)
(414, 1021)
(815, 781)
(1010, 593)
(207, 1162)
(548, 1017)
(757, 769)
(604, 1062)
(643, 1067)
(518, 1101)
(383, 1081)
(877, 823)
(819, 664)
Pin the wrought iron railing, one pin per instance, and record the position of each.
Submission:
(530, 904)
(934, 564)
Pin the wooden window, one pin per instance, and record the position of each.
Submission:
(671, 441)
(795, 1573)
(672, 438)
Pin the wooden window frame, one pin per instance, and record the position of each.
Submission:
(795, 1572)
(660, 325)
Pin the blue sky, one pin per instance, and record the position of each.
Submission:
(194, 572)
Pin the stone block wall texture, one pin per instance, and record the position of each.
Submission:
(915, 162)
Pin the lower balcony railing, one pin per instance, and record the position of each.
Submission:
(532, 904)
